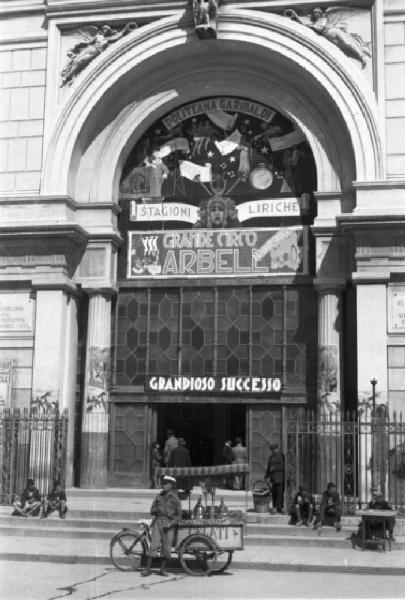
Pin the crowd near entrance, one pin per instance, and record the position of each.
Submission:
(203, 427)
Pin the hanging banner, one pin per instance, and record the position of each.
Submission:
(213, 253)
(213, 107)
(252, 385)
(274, 207)
(180, 211)
(159, 211)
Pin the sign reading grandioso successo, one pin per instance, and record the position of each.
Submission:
(210, 252)
(255, 385)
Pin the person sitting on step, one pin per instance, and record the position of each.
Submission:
(379, 503)
(330, 510)
(29, 503)
(302, 510)
(56, 500)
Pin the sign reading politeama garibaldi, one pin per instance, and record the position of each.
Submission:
(251, 385)
(191, 253)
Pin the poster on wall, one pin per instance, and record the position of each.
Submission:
(97, 378)
(6, 380)
(213, 253)
(396, 312)
(16, 314)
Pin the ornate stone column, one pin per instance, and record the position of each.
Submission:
(329, 380)
(93, 469)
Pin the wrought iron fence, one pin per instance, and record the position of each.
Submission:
(32, 445)
(354, 450)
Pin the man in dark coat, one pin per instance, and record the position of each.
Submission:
(379, 503)
(275, 476)
(302, 510)
(180, 457)
(330, 510)
(29, 503)
(228, 456)
(166, 510)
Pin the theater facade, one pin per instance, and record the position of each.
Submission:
(202, 221)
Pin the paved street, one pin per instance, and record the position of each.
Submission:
(41, 581)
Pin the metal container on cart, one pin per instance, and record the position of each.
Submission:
(261, 496)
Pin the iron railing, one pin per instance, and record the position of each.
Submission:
(354, 450)
(32, 445)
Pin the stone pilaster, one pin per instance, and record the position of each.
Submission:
(54, 372)
(93, 472)
(329, 380)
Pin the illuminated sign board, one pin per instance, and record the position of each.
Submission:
(215, 253)
(252, 385)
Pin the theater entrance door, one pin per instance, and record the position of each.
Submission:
(205, 427)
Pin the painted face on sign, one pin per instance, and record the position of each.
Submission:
(217, 214)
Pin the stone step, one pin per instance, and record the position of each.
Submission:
(118, 521)
(104, 535)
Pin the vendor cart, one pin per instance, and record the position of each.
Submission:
(204, 546)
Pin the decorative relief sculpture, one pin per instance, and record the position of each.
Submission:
(95, 41)
(205, 18)
(329, 24)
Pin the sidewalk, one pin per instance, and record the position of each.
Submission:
(270, 543)
(291, 558)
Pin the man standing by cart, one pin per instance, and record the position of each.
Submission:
(275, 476)
(166, 510)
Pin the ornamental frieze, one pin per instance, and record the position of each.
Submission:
(331, 24)
(205, 14)
(94, 40)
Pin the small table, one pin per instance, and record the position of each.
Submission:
(375, 516)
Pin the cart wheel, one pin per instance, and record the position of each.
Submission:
(127, 551)
(224, 559)
(198, 555)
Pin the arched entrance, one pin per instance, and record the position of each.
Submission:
(216, 314)
(148, 76)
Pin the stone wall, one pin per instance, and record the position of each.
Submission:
(22, 90)
(395, 94)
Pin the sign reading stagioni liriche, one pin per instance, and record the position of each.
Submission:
(253, 385)
(210, 252)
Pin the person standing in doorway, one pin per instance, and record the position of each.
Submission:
(240, 455)
(171, 442)
(156, 460)
(229, 457)
(180, 457)
(275, 476)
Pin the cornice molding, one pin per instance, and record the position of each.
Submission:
(385, 184)
(63, 200)
(33, 40)
(51, 8)
(330, 285)
(71, 231)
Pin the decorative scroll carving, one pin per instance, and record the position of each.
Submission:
(94, 41)
(329, 24)
(205, 18)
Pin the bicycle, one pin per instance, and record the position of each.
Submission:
(204, 548)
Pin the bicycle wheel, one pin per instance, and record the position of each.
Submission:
(127, 551)
(224, 559)
(198, 555)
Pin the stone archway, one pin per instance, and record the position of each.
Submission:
(262, 58)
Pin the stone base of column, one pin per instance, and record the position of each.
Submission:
(93, 468)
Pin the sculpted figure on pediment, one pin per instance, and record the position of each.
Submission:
(94, 40)
(329, 24)
(205, 18)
